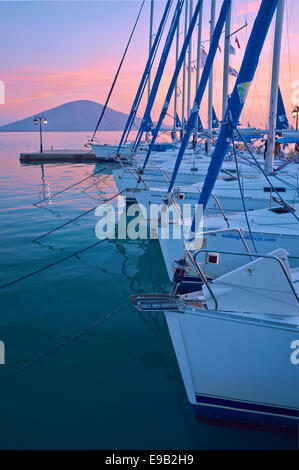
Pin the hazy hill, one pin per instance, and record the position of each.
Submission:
(77, 116)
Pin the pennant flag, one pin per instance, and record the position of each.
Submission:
(232, 50)
(237, 42)
(215, 122)
(177, 121)
(232, 72)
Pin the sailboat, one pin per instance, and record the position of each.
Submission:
(270, 229)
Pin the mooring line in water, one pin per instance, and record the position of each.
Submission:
(64, 343)
(69, 187)
(52, 264)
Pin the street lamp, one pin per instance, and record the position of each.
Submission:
(44, 120)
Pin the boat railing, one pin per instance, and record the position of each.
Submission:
(193, 259)
(138, 175)
(218, 204)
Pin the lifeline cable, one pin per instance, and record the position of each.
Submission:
(66, 342)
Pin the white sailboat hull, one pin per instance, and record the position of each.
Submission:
(104, 152)
(236, 367)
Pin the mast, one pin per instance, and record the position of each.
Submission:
(144, 78)
(226, 60)
(198, 61)
(163, 59)
(189, 62)
(210, 102)
(269, 160)
(175, 99)
(197, 10)
(150, 43)
(184, 72)
(200, 90)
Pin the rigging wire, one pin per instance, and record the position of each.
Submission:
(264, 173)
(242, 196)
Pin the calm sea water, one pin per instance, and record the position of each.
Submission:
(118, 386)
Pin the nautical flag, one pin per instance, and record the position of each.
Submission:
(215, 122)
(232, 72)
(232, 50)
(177, 121)
(237, 42)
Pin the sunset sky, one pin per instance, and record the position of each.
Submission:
(58, 51)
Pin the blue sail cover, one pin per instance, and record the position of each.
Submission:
(215, 122)
(199, 124)
(145, 75)
(174, 79)
(161, 66)
(149, 125)
(281, 119)
(238, 97)
(201, 88)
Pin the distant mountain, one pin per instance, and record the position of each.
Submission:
(74, 116)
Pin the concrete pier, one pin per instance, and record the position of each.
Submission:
(59, 156)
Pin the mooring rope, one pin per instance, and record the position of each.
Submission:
(78, 216)
(66, 342)
(274, 190)
(51, 264)
(65, 223)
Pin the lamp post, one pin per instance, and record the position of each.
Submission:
(44, 120)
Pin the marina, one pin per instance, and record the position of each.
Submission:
(149, 282)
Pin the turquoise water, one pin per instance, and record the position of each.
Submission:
(118, 386)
